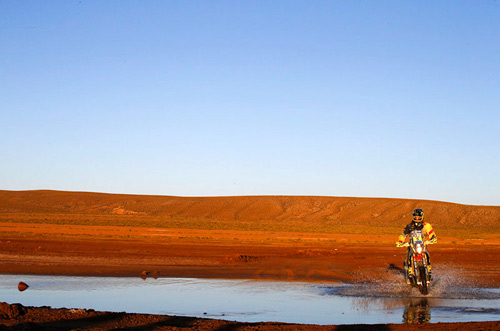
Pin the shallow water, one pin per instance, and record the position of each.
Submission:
(254, 301)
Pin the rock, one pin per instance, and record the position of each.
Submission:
(22, 286)
(11, 311)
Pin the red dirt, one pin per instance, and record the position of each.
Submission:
(168, 257)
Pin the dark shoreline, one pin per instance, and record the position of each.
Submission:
(19, 317)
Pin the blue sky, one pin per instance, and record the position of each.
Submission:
(208, 98)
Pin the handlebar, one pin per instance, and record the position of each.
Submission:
(406, 244)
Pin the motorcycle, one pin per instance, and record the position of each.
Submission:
(418, 275)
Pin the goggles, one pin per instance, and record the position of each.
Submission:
(417, 218)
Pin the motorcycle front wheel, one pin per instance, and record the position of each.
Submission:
(424, 289)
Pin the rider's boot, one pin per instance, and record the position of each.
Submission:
(408, 281)
(429, 266)
(408, 273)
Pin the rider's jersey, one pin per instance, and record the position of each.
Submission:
(411, 230)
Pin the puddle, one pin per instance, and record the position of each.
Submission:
(255, 301)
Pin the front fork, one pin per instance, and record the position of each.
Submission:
(416, 270)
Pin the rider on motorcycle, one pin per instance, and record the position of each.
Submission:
(417, 224)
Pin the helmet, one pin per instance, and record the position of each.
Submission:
(418, 216)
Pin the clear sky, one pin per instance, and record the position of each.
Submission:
(396, 99)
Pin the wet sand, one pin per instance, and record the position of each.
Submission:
(88, 251)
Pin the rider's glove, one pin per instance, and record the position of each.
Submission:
(399, 244)
(433, 240)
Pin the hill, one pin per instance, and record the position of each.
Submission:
(244, 210)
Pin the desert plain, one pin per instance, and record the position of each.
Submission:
(292, 238)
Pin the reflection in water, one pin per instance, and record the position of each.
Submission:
(451, 298)
(417, 311)
(252, 301)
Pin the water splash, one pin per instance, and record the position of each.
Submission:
(449, 283)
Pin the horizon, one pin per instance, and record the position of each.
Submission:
(361, 100)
